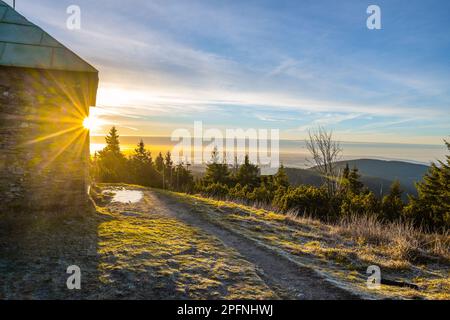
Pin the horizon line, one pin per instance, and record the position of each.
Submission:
(293, 140)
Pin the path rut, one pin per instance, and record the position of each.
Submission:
(285, 278)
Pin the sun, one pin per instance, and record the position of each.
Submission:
(91, 123)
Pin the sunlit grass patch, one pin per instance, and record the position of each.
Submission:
(174, 260)
(343, 250)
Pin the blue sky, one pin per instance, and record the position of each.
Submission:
(290, 65)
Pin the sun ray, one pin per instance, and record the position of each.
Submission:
(81, 146)
(73, 97)
(62, 149)
(53, 135)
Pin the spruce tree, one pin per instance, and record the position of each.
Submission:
(392, 204)
(355, 198)
(281, 178)
(216, 172)
(350, 181)
(141, 166)
(112, 164)
(168, 160)
(112, 141)
(184, 181)
(168, 170)
(355, 185)
(159, 162)
(248, 174)
(431, 207)
(141, 154)
(346, 172)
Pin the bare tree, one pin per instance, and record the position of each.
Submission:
(325, 153)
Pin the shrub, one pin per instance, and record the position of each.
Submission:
(217, 190)
(260, 194)
(358, 204)
(307, 200)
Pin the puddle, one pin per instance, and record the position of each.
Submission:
(130, 214)
(126, 196)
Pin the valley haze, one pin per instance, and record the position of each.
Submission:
(293, 153)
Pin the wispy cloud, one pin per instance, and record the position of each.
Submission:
(329, 119)
(179, 59)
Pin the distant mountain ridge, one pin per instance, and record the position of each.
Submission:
(377, 175)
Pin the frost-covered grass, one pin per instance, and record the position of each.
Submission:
(136, 254)
(154, 256)
(343, 250)
(122, 254)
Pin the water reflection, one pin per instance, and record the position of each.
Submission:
(126, 196)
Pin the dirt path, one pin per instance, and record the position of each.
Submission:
(286, 279)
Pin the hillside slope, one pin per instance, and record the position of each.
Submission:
(407, 173)
(338, 254)
(377, 175)
(163, 245)
(124, 251)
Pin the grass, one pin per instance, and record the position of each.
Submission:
(404, 240)
(344, 250)
(122, 255)
(149, 256)
(36, 251)
(172, 260)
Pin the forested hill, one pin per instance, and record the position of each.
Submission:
(377, 175)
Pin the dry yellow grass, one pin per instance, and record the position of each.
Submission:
(343, 250)
(404, 240)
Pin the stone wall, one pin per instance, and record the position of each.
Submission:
(44, 149)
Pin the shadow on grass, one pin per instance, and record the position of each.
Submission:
(36, 250)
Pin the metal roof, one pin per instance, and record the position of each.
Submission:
(23, 44)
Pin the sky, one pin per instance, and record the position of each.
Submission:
(288, 65)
